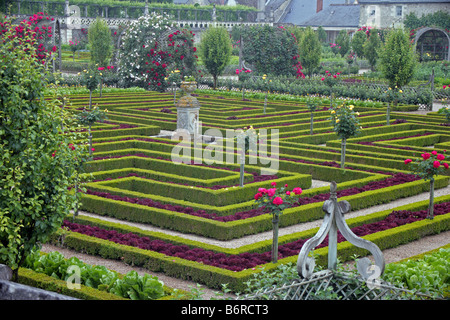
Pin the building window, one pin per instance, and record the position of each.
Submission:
(399, 11)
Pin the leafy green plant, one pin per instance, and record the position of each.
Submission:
(428, 275)
(90, 78)
(137, 287)
(357, 43)
(343, 42)
(371, 47)
(271, 50)
(310, 50)
(131, 286)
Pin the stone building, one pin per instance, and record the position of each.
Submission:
(391, 13)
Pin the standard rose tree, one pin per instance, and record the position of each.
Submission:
(275, 200)
(345, 123)
(430, 165)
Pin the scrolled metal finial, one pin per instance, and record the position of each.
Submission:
(334, 220)
(306, 264)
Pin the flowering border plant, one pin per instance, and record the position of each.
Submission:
(142, 60)
(430, 165)
(330, 79)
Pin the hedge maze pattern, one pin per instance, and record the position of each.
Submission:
(133, 179)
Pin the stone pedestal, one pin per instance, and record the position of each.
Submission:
(188, 109)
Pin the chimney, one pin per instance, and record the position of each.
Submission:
(319, 5)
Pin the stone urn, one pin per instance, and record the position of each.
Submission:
(188, 108)
(188, 87)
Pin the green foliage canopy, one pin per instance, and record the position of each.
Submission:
(397, 58)
(215, 50)
(371, 47)
(100, 42)
(438, 19)
(343, 41)
(310, 50)
(272, 50)
(357, 43)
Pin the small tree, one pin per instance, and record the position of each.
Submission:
(311, 104)
(100, 42)
(397, 59)
(429, 166)
(90, 78)
(215, 50)
(310, 50)
(330, 80)
(371, 47)
(74, 47)
(321, 33)
(357, 43)
(88, 118)
(345, 123)
(343, 41)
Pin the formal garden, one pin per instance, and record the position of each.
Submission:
(88, 156)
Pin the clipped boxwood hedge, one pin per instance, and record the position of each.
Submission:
(238, 228)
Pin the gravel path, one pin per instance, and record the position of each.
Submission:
(390, 255)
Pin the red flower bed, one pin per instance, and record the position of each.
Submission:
(396, 179)
(244, 260)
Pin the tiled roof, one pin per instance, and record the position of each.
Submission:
(335, 16)
(302, 10)
(400, 1)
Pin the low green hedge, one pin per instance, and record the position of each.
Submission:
(232, 179)
(173, 193)
(39, 280)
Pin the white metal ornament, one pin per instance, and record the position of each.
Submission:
(334, 221)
